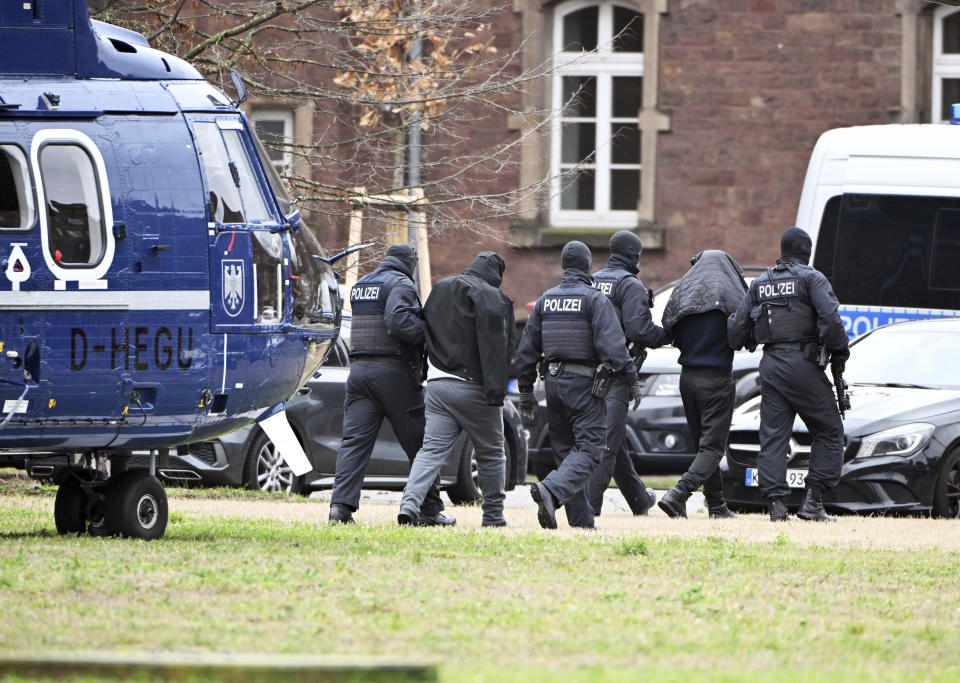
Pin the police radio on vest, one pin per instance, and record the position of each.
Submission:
(562, 304)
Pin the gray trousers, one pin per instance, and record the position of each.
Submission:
(454, 406)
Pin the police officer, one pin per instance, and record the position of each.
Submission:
(384, 381)
(575, 328)
(470, 334)
(792, 311)
(631, 301)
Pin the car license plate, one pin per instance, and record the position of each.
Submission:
(796, 479)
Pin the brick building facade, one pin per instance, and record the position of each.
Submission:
(716, 106)
(741, 91)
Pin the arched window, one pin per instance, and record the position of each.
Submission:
(946, 62)
(598, 97)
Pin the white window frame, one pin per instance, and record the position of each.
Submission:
(603, 64)
(944, 66)
(286, 116)
(24, 188)
(73, 137)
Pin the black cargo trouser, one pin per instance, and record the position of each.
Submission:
(791, 385)
(708, 397)
(616, 460)
(376, 391)
(577, 435)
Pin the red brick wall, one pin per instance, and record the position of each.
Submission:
(750, 85)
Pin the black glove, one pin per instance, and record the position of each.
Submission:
(838, 360)
(527, 407)
(636, 393)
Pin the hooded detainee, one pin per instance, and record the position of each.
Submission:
(696, 317)
(469, 330)
(387, 350)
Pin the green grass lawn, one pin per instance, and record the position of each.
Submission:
(514, 606)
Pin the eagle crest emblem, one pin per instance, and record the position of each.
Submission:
(233, 287)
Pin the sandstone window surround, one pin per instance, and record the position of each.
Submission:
(946, 62)
(600, 151)
(288, 123)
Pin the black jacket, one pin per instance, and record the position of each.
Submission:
(608, 341)
(630, 298)
(822, 301)
(713, 283)
(403, 314)
(470, 328)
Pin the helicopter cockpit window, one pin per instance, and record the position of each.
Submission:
(314, 304)
(17, 206)
(73, 205)
(235, 195)
(253, 204)
(268, 263)
(225, 205)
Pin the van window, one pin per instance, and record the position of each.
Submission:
(891, 250)
(17, 206)
(77, 236)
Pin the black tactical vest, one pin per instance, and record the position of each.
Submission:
(783, 312)
(368, 336)
(565, 326)
(608, 281)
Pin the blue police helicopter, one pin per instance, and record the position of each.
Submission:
(155, 286)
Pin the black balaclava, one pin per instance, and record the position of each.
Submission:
(487, 265)
(625, 243)
(576, 256)
(406, 255)
(796, 244)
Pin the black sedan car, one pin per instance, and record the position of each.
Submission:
(248, 458)
(902, 434)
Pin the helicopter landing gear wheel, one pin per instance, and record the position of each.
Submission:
(70, 508)
(137, 506)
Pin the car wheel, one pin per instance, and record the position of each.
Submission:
(946, 495)
(467, 489)
(70, 508)
(266, 470)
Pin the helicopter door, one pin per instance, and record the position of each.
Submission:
(247, 257)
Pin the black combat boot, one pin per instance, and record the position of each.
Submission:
(720, 511)
(546, 508)
(778, 510)
(812, 508)
(644, 508)
(340, 514)
(440, 520)
(674, 503)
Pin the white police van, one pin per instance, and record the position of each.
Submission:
(882, 204)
